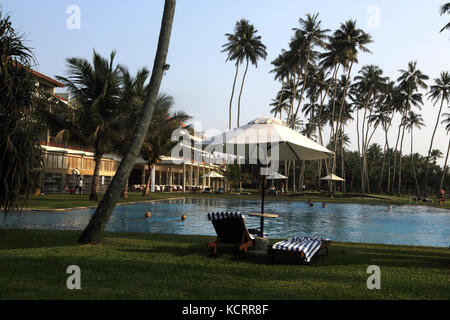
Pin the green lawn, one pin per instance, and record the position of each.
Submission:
(65, 201)
(147, 266)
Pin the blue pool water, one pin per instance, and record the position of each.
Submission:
(408, 225)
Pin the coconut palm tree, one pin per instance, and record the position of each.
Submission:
(96, 89)
(410, 81)
(158, 139)
(446, 121)
(312, 35)
(439, 92)
(445, 8)
(245, 45)
(234, 49)
(413, 120)
(350, 40)
(370, 82)
(104, 210)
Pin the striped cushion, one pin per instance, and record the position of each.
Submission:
(309, 246)
(224, 215)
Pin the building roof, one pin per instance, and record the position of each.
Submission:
(47, 79)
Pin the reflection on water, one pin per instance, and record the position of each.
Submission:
(410, 225)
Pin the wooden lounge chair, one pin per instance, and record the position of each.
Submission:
(230, 228)
(305, 248)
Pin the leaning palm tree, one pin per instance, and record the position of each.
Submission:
(413, 120)
(104, 210)
(440, 91)
(96, 90)
(445, 8)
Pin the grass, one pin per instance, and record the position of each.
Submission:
(149, 266)
(66, 201)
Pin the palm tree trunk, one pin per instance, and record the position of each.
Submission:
(395, 161)
(339, 124)
(95, 180)
(104, 210)
(413, 165)
(305, 77)
(380, 183)
(425, 188)
(445, 166)
(240, 94)
(232, 94)
(401, 147)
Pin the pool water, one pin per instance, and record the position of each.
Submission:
(407, 225)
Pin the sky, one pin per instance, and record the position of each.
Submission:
(200, 80)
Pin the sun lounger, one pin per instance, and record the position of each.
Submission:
(230, 228)
(304, 247)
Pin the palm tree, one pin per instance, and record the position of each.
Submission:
(107, 204)
(21, 130)
(440, 91)
(370, 82)
(245, 45)
(409, 82)
(413, 120)
(311, 35)
(350, 40)
(234, 49)
(96, 89)
(158, 139)
(447, 129)
(445, 8)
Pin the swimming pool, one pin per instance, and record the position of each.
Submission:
(407, 225)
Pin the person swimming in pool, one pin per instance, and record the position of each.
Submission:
(148, 214)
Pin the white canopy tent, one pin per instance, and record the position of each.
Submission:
(332, 177)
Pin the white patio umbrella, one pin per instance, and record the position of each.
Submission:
(254, 141)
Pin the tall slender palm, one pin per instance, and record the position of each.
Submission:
(351, 40)
(234, 49)
(96, 89)
(440, 91)
(244, 45)
(445, 8)
(311, 35)
(410, 81)
(104, 210)
(413, 120)
(370, 82)
(446, 121)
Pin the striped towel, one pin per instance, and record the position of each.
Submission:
(224, 215)
(309, 245)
